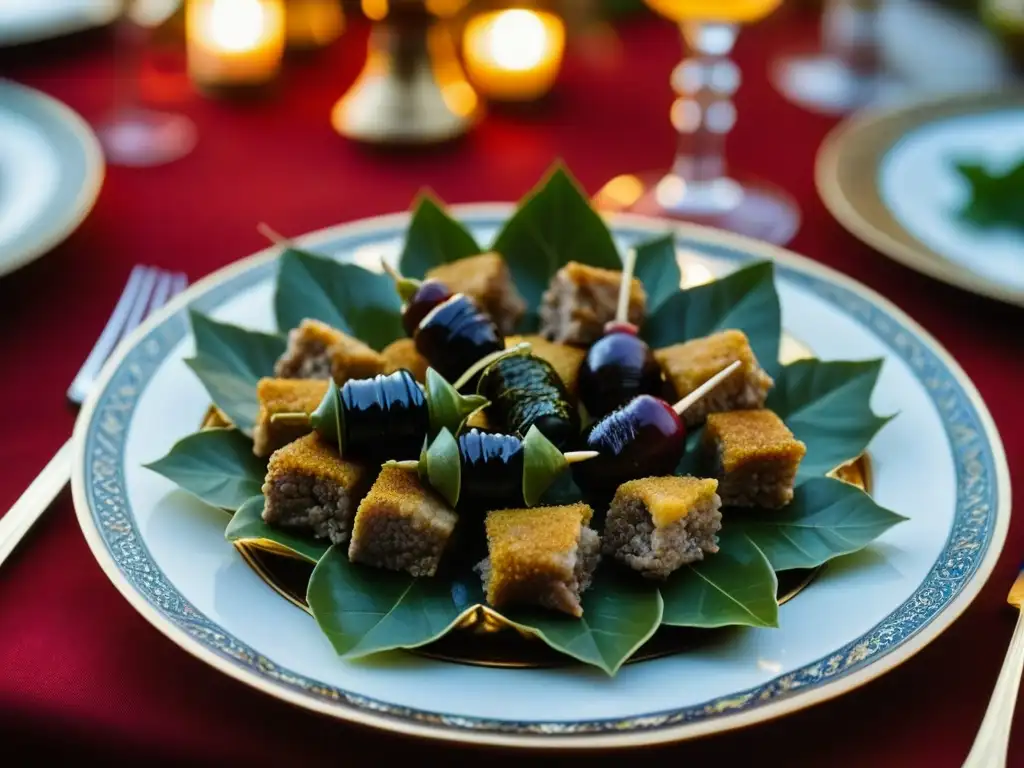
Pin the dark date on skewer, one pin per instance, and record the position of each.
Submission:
(526, 391)
(617, 368)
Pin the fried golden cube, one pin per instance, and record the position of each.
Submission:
(318, 351)
(403, 354)
(485, 279)
(564, 359)
(581, 299)
(540, 556)
(658, 524)
(479, 420)
(215, 418)
(690, 364)
(401, 525)
(309, 488)
(754, 456)
(283, 396)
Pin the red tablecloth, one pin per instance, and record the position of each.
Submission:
(83, 674)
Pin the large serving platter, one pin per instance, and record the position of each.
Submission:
(940, 464)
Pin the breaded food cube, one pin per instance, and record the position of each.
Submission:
(540, 556)
(401, 354)
(309, 488)
(754, 456)
(318, 351)
(657, 524)
(690, 364)
(564, 359)
(485, 279)
(401, 525)
(581, 299)
(215, 418)
(283, 396)
(479, 421)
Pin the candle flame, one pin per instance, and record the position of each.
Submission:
(237, 25)
(518, 39)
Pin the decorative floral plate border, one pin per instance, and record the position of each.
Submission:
(979, 527)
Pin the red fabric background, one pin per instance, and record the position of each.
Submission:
(83, 674)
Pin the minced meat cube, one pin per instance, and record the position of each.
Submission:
(581, 299)
(403, 354)
(318, 351)
(283, 396)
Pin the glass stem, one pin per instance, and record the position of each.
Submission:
(703, 112)
(130, 42)
(849, 32)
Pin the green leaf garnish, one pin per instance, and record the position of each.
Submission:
(448, 409)
(366, 610)
(620, 613)
(217, 465)
(434, 238)
(745, 300)
(441, 465)
(329, 417)
(827, 405)
(543, 463)
(826, 518)
(735, 586)
(996, 198)
(229, 361)
(357, 301)
(247, 525)
(553, 225)
(658, 269)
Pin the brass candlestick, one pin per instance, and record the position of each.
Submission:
(412, 89)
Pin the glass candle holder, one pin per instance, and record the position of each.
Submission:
(513, 55)
(234, 45)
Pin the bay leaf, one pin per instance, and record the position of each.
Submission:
(247, 525)
(354, 300)
(229, 361)
(553, 225)
(620, 613)
(827, 518)
(217, 465)
(827, 405)
(745, 299)
(433, 238)
(734, 587)
(658, 269)
(365, 610)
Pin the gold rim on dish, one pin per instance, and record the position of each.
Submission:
(795, 701)
(847, 170)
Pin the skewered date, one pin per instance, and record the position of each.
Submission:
(645, 438)
(492, 469)
(455, 335)
(617, 368)
(524, 391)
(429, 294)
(385, 417)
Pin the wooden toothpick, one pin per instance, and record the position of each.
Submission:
(625, 287)
(704, 388)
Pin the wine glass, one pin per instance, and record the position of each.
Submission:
(698, 186)
(847, 72)
(135, 135)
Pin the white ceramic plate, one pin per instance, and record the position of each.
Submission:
(889, 178)
(940, 463)
(51, 170)
(29, 21)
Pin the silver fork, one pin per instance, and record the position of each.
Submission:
(147, 289)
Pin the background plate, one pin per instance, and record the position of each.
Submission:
(940, 463)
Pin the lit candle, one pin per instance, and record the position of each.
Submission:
(234, 43)
(513, 55)
(313, 24)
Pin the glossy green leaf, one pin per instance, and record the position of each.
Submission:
(735, 586)
(995, 197)
(448, 408)
(230, 361)
(658, 269)
(247, 525)
(826, 518)
(543, 463)
(328, 419)
(827, 405)
(441, 464)
(552, 226)
(365, 610)
(352, 299)
(433, 238)
(620, 613)
(215, 464)
(745, 300)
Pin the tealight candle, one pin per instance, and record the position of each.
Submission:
(311, 24)
(514, 55)
(234, 43)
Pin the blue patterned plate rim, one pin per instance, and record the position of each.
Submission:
(975, 541)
